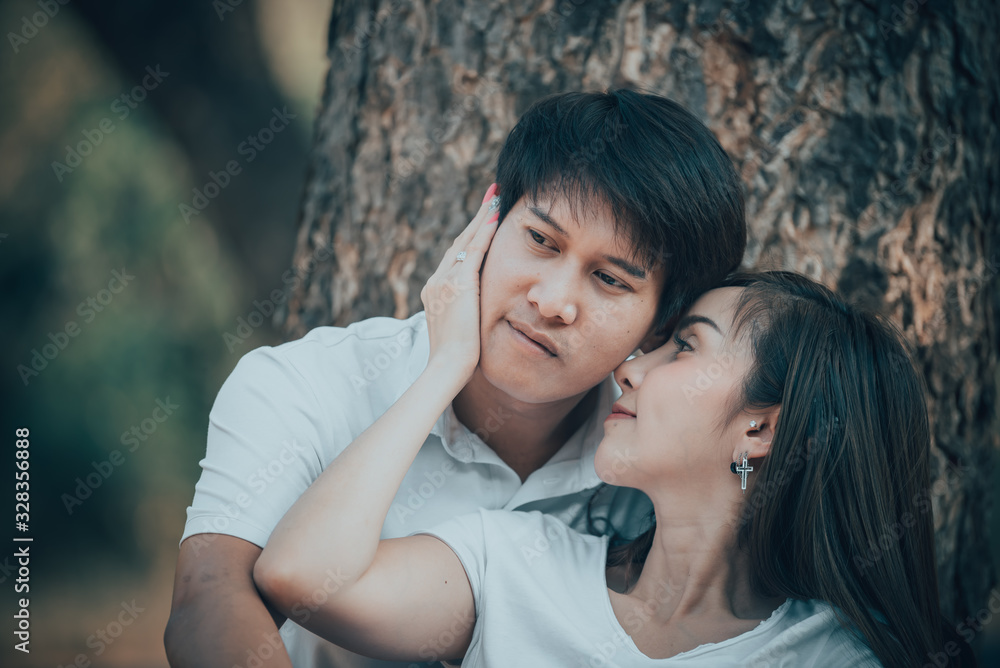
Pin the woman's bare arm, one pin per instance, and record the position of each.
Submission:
(397, 598)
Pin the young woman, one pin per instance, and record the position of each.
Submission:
(795, 560)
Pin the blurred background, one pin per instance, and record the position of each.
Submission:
(145, 217)
(156, 334)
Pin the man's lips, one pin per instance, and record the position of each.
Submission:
(541, 340)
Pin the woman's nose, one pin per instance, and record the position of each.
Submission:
(630, 373)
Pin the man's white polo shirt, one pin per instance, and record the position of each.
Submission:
(286, 412)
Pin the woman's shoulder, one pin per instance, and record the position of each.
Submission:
(811, 633)
(534, 525)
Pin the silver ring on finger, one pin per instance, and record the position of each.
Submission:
(461, 256)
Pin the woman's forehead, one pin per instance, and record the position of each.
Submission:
(719, 305)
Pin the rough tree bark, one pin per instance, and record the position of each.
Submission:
(865, 132)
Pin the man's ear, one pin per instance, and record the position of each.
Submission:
(654, 339)
(657, 336)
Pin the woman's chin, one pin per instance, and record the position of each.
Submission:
(614, 465)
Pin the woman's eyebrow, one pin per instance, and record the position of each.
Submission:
(689, 320)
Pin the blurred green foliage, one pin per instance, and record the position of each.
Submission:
(157, 338)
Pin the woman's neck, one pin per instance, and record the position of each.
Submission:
(695, 570)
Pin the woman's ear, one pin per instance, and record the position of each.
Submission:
(758, 433)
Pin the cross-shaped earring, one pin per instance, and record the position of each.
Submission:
(742, 471)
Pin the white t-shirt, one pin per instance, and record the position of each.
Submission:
(286, 412)
(541, 600)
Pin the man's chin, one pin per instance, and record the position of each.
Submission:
(527, 382)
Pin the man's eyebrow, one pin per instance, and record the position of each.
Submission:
(629, 268)
(689, 320)
(545, 218)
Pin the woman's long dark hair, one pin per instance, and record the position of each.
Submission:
(840, 509)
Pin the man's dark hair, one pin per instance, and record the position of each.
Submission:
(670, 186)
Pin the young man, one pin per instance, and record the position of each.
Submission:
(617, 209)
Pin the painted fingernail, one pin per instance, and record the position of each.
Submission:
(494, 218)
(489, 193)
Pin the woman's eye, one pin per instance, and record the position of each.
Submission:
(682, 345)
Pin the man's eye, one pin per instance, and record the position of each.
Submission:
(537, 237)
(610, 280)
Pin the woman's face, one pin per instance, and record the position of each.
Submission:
(674, 402)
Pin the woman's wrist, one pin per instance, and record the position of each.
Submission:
(446, 377)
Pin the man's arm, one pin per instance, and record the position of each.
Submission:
(217, 618)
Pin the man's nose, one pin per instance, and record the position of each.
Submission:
(556, 295)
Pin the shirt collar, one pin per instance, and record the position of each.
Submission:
(575, 457)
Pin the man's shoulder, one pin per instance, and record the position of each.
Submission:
(380, 349)
(356, 371)
(392, 336)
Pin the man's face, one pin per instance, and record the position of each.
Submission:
(562, 302)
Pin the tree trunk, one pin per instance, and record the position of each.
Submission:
(865, 134)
